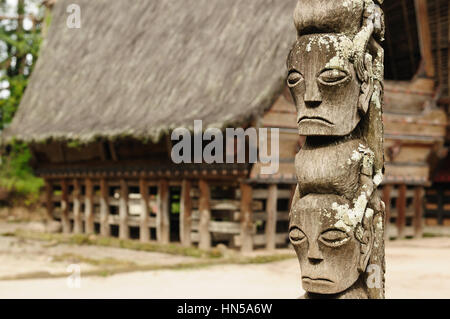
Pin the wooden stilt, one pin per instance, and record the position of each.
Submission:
(77, 218)
(418, 211)
(124, 230)
(89, 207)
(49, 199)
(185, 213)
(246, 218)
(205, 215)
(144, 230)
(65, 207)
(271, 223)
(387, 189)
(401, 210)
(162, 217)
(104, 208)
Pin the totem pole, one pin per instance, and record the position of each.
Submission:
(336, 80)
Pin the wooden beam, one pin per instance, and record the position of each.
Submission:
(65, 207)
(271, 223)
(102, 151)
(162, 217)
(401, 211)
(62, 155)
(169, 145)
(418, 212)
(412, 60)
(77, 219)
(185, 213)
(89, 207)
(105, 230)
(49, 199)
(387, 190)
(438, 48)
(124, 231)
(144, 230)
(246, 218)
(423, 26)
(112, 151)
(205, 214)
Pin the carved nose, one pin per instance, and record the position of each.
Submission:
(312, 104)
(314, 261)
(313, 97)
(314, 255)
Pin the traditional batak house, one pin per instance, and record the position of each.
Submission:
(415, 119)
(103, 100)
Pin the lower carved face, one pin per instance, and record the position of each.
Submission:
(328, 252)
(324, 85)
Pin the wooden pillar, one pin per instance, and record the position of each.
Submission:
(65, 207)
(246, 218)
(205, 215)
(401, 210)
(49, 199)
(418, 211)
(424, 33)
(124, 230)
(271, 223)
(387, 189)
(77, 219)
(104, 209)
(185, 213)
(89, 207)
(162, 217)
(144, 230)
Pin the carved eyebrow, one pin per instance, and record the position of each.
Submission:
(294, 70)
(335, 228)
(334, 68)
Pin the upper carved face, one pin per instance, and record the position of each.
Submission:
(324, 85)
(328, 16)
(327, 249)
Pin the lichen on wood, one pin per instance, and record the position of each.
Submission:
(336, 80)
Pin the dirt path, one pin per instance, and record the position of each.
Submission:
(416, 269)
(22, 257)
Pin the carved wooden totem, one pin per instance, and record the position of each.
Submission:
(336, 80)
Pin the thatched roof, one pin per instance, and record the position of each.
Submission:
(141, 68)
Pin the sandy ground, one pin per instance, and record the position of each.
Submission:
(415, 269)
(19, 257)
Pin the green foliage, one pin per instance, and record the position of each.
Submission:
(9, 106)
(16, 174)
(19, 47)
(74, 144)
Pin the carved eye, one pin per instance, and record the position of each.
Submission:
(294, 78)
(334, 237)
(333, 77)
(296, 235)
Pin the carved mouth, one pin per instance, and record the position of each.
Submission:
(317, 280)
(315, 119)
